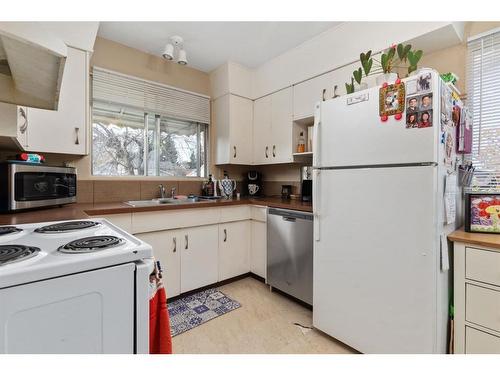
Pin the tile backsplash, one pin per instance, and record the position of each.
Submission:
(101, 191)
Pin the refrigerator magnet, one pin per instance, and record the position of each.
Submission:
(391, 100)
(424, 82)
(411, 87)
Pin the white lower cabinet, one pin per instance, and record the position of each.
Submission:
(166, 246)
(476, 299)
(258, 248)
(479, 342)
(234, 246)
(188, 256)
(203, 246)
(199, 261)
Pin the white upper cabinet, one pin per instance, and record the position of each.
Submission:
(272, 128)
(306, 94)
(233, 122)
(13, 127)
(64, 131)
(281, 124)
(262, 130)
(35, 63)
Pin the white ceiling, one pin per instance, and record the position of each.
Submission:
(210, 44)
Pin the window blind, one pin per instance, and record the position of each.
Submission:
(483, 92)
(116, 88)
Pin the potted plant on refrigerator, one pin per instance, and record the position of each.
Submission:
(396, 57)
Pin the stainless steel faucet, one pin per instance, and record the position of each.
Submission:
(172, 192)
(162, 190)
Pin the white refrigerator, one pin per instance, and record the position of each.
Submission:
(380, 278)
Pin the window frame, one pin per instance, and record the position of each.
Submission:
(487, 175)
(201, 168)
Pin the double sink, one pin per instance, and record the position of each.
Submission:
(166, 201)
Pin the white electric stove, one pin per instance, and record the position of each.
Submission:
(79, 286)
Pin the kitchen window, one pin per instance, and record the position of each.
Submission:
(140, 128)
(483, 87)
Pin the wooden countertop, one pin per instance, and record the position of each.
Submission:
(82, 211)
(481, 239)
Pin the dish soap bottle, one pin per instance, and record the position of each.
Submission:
(301, 145)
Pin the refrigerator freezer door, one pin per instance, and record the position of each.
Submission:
(375, 262)
(354, 135)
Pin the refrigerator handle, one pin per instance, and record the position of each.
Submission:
(317, 123)
(316, 203)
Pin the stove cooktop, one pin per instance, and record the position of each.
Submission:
(9, 230)
(67, 226)
(16, 253)
(31, 252)
(91, 244)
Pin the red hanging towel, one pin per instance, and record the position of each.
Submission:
(160, 338)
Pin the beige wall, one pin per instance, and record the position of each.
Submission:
(454, 59)
(114, 56)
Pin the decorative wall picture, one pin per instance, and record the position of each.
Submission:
(484, 213)
(424, 82)
(391, 100)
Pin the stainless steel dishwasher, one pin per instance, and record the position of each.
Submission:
(290, 252)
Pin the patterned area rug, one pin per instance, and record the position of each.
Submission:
(198, 308)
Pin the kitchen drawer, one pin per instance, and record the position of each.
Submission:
(482, 306)
(160, 220)
(259, 213)
(235, 213)
(479, 342)
(482, 265)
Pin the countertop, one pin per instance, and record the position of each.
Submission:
(76, 211)
(481, 239)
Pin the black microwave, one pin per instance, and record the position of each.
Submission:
(30, 185)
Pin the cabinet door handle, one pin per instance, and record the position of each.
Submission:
(267, 152)
(77, 141)
(174, 240)
(225, 235)
(24, 125)
(234, 153)
(323, 95)
(274, 151)
(187, 241)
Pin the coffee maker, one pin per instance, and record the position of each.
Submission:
(306, 185)
(253, 184)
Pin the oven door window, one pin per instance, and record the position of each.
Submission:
(33, 186)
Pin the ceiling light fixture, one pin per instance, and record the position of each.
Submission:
(168, 53)
(175, 43)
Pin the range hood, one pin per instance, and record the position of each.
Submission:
(31, 65)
